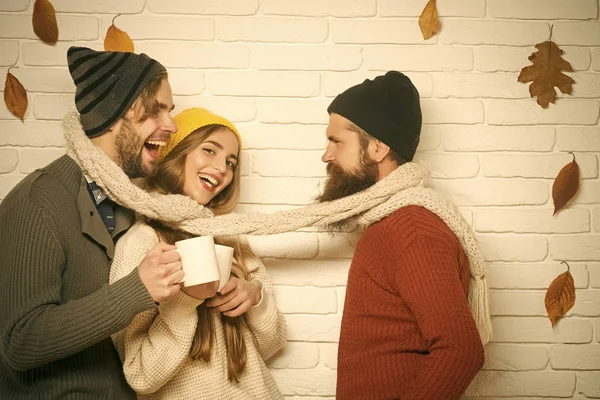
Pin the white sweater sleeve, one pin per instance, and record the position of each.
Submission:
(157, 342)
(130, 250)
(266, 321)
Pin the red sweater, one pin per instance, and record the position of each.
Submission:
(407, 330)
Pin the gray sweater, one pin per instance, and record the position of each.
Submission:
(57, 310)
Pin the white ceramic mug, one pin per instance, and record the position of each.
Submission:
(199, 260)
(224, 258)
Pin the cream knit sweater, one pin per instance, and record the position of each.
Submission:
(155, 347)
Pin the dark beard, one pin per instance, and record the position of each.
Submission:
(341, 183)
(129, 151)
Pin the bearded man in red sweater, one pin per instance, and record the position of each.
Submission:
(407, 330)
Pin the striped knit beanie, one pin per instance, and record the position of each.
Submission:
(107, 83)
(190, 120)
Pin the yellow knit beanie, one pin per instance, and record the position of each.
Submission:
(190, 120)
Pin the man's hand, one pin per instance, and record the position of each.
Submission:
(236, 298)
(202, 291)
(160, 271)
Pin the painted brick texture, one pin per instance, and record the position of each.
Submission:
(273, 67)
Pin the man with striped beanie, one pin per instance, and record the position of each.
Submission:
(58, 234)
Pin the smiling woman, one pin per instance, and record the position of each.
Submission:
(203, 166)
(201, 161)
(211, 166)
(217, 344)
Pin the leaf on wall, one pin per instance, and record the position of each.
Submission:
(44, 21)
(15, 96)
(117, 40)
(428, 21)
(565, 185)
(546, 73)
(560, 296)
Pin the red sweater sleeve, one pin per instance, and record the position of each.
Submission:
(427, 279)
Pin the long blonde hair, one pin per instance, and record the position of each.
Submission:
(169, 178)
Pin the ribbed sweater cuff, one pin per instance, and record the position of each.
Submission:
(262, 308)
(262, 292)
(130, 296)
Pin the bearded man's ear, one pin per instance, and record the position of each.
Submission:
(378, 150)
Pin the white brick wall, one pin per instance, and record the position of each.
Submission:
(510, 59)
(419, 58)
(223, 7)
(499, 33)
(515, 357)
(578, 33)
(413, 8)
(264, 84)
(9, 158)
(17, 5)
(373, 31)
(273, 67)
(542, 9)
(318, 8)
(72, 27)
(578, 139)
(596, 61)
(526, 112)
(309, 58)
(9, 52)
(166, 28)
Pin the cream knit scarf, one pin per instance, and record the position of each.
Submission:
(405, 186)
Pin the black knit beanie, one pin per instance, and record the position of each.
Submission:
(107, 84)
(387, 108)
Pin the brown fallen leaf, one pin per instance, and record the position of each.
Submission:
(117, 40)
(44, 21)
(15, 96)
(428, 21)
(545, 73)
(565, 185)
(560, 296)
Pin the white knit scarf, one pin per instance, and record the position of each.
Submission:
(405, 186)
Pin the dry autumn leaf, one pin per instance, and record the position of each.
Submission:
(15, 96)
(428, 21)
(560, 296)
(117, 40)
(545, 73)
(565, 185)
(44, 21)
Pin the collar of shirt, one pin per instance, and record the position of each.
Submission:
(98, 194)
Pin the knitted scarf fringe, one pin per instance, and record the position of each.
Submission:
(405, 186)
